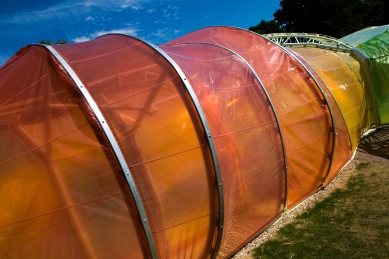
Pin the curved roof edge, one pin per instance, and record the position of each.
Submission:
(115, 146)
(207, 132)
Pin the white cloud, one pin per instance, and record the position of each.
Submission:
(89, 18)
(127, 31)
(163, 35)
(151, 11)
(74, 9)
(81, 39)
(133, 7)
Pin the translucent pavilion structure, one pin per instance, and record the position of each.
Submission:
(116, 148)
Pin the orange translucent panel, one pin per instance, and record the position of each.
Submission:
(246, 136)
(159, 132)
(344, 86)
(302, 110)
(342, 150)
(360, 67)
(62, 191)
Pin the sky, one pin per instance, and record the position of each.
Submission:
(157, 21)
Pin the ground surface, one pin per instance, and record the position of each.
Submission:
(373, 151)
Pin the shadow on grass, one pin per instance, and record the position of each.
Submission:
(351, 223)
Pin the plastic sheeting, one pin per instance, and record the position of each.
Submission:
(372, 43)
(302, 111)
(344, 85)
(62, 192)
(217, 104)
(160, 136)
(241, 121)
(342, 151)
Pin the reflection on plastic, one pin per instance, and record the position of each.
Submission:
(64, 195)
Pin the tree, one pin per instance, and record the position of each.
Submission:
(335, 18)
(265, 27)
(50, 42)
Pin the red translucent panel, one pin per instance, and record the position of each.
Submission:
(342, 150)
(159, 132)
(302, 110)
(246, 137)
(62, 191)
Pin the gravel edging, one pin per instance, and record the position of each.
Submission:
(338, 182)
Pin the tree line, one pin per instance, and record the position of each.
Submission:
(336, 18)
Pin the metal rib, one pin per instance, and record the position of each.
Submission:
(329, 107)
(207, 132)
(271, 105)
(322, 92)
(308, 39)
(115, 147)
(377, 117)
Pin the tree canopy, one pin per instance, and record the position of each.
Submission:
(335, 18)
(50, 42)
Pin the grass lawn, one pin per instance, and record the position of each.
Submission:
(353, 222)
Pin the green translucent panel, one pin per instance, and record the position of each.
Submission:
(362, 36)
(373, 43)
(379, 70)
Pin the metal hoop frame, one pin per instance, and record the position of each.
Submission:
(270, 102)
(108, 132)
(308, 39)
(206, 128)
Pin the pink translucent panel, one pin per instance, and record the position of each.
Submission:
(159, 132)
(342, 151)
(62, 191)
(302, 110)
(246, 136)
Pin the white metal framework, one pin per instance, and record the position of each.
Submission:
(308, 40)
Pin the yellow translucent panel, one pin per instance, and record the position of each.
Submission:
(344, 85)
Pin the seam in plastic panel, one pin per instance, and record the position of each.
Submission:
(333, 120)
(271, 105)
(115, 147)
(329, 108)
(377, 117)
(325, 97)
(360, 81)
(318, 86)
(206, 128)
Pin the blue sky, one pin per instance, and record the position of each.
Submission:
(158, 21)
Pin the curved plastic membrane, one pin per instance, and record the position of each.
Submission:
(240, 119)
(62, 192)
(342, 150)
(372, 44)
(344, 85)
(300, 107)
(159, 133)
(222, 131)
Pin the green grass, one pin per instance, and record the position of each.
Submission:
(351, 223)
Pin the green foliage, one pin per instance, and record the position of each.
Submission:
(265, 27)
(50, 42)
(335, 18)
